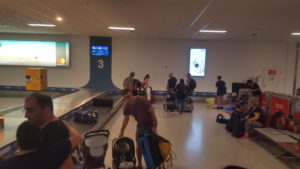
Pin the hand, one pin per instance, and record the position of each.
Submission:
(121, 134)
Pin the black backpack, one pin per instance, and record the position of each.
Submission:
(192, 84)
(221, 119)
(236, 124)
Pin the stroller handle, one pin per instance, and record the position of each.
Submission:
(102, 132)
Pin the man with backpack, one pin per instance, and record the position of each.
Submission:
(191, 85)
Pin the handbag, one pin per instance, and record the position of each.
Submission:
(165, 150)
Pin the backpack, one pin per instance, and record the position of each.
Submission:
(278, 121)
(221, 119)
(192, 84)
(235, 124)
(238, 125)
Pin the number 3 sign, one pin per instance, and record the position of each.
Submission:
(100, 64)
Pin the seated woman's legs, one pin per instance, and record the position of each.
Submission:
(250, 124)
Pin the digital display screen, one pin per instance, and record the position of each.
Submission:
(34, 53)
(197, 62)
(100, 50)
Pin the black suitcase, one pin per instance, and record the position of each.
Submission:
(101, 102)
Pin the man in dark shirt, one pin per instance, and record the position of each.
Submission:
(39, 110)
(254, 88)
(221, 90)
(143, 113)
(171, 82)
(31, 156)
(191, 84)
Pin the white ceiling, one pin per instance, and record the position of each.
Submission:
(263, 20)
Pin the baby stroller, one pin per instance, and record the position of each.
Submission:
(170, 101)
(123, 153)
(94, 148)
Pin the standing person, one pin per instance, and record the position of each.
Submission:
(172, 81)
(39, 110)
(191, 84)
(221, 90)
(254, 88)
(181, 89)
(146, 80)
(143, 113)
(136, 87)
(128, 82)
(147, 87)
(29, 139)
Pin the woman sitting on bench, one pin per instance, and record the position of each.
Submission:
(254, 118)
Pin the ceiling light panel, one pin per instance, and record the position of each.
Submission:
(213, 31)
(121, 28)
(41, 25)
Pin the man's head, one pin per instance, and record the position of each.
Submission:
(127, 96)
(38, 108)
(132, 74)
(188, 75)
(219, 77)
(249, 82)
(29, 136)
(170, 75)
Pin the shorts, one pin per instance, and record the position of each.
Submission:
(221, 93)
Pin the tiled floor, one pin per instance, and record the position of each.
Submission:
(200, 142)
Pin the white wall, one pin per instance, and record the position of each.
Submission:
(234, 60)
(75, 76)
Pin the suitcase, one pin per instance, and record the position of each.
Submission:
(101, 102)
(150, 149)
(86, 116)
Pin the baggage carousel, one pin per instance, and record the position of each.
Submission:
(65, 102)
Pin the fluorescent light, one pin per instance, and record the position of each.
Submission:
(43, 25)
(121, 28)
(213, 31)
(295, 33)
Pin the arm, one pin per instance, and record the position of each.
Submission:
(75, 139)
(124, 125)
(74, 136)
(154, 120)
(256, 117)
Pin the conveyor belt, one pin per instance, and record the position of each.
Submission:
(62, 106)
